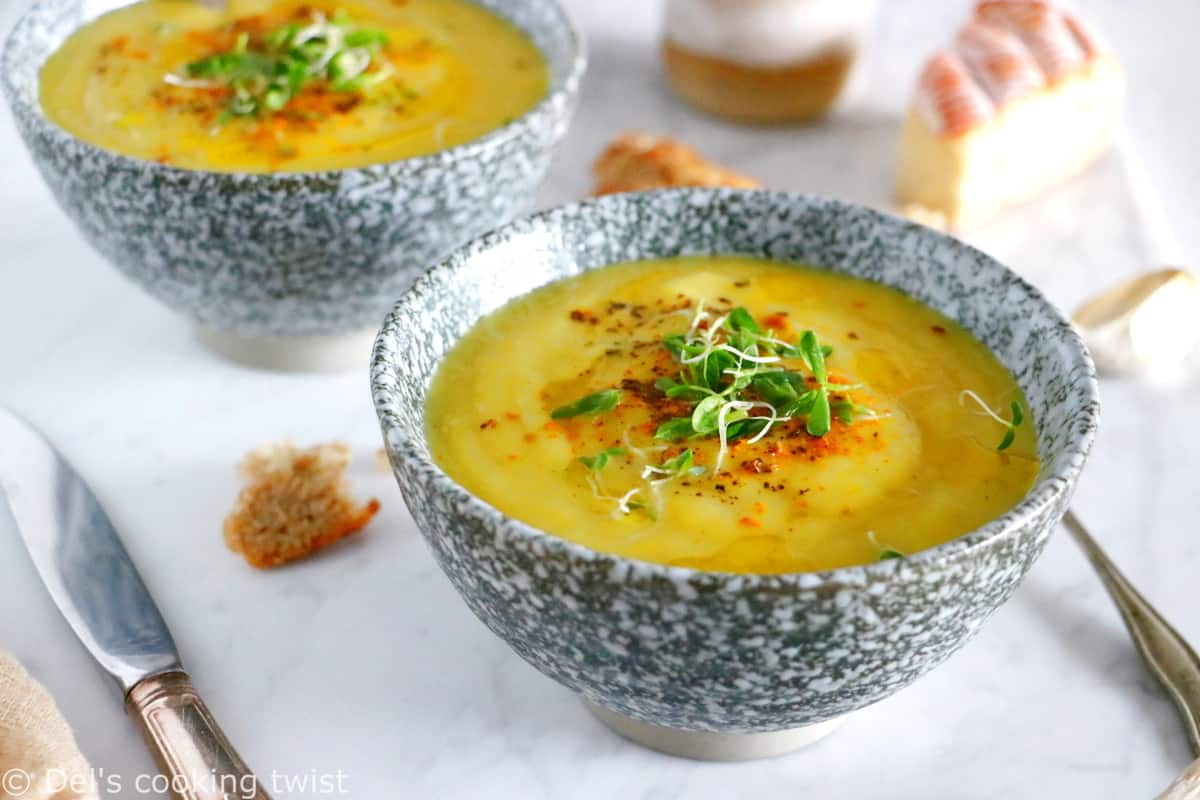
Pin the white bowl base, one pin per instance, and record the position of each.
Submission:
(710, 746)
(342, 351)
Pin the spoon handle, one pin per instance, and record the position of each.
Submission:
(1173, 662)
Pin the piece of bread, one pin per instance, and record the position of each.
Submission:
(636, 162)
(1024, 97)
(295, 503)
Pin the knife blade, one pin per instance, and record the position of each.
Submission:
(93, 582)
(80, 558)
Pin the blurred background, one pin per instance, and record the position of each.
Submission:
(1155, 41)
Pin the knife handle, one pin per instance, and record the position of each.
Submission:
(189, 747)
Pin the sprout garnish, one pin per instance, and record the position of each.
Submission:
(885, 553)
(597, 403)
(1010, 425)
(734, 373)
(264, 73)
(600, 460)
(737, 383)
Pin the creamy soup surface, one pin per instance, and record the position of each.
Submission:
(594, 408)
(282, 85)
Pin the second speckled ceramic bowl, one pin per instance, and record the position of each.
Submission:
(713, 664)
(289, 269)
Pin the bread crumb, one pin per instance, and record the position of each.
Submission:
(295, 502)
(639, 161)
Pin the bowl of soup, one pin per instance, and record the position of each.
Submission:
(280, 170)
(731, 464)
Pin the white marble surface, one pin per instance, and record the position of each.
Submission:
(364, 661)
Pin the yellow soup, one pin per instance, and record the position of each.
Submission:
(577, 408)
(288, 85)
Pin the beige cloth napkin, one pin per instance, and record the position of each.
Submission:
(39, 759)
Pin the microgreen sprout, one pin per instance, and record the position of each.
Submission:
(885, 553)
(640, 452)
(599, 461)
(626, 504)
(597, 403)
(672, 468)
(1010, 435)
(675, 429)
(1010, 425)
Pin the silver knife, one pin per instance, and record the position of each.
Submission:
(85, 567)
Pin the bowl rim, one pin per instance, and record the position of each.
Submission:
(559, 93)
(1047, 489)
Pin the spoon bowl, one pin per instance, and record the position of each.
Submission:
(1150, 324)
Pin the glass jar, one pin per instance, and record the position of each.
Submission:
(763, 60)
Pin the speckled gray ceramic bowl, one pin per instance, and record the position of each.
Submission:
(302, 255)
(662, 649)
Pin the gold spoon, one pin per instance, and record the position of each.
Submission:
(1168, 655)
(1186, 786)
(1146, 325)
